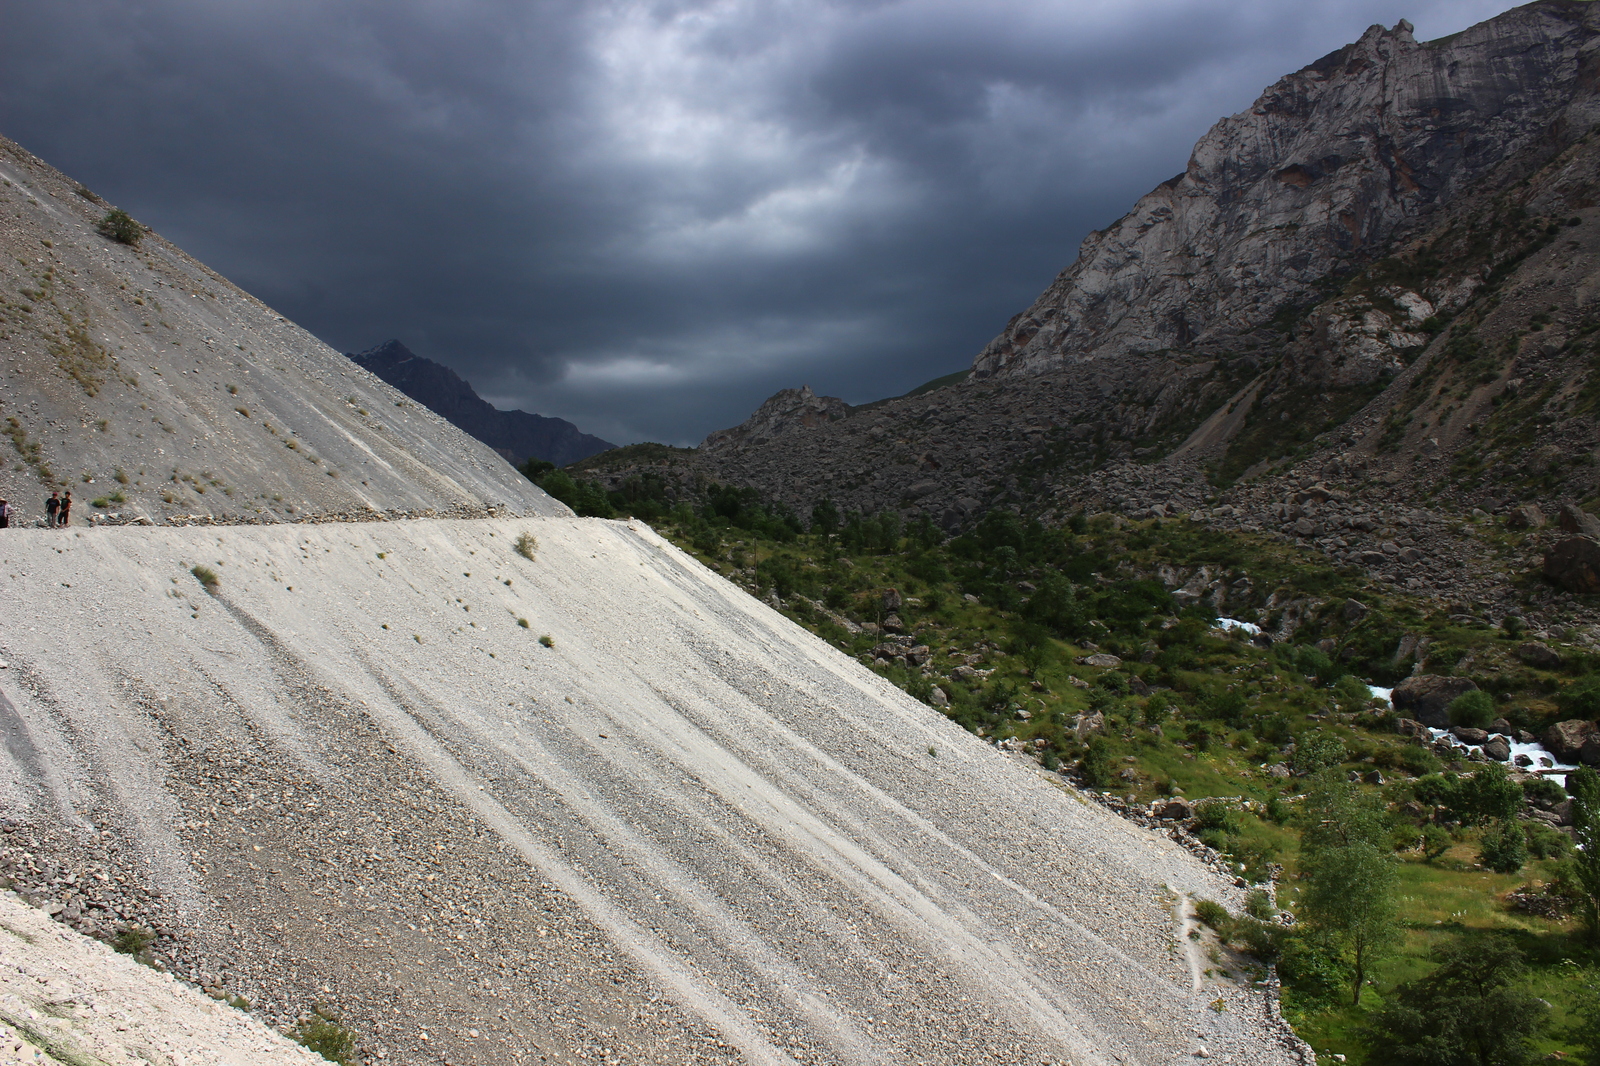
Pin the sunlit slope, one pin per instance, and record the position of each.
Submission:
(686, 831)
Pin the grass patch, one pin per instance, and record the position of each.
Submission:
(526, 545)
(207, 577)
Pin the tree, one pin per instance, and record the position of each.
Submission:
(1584, 785)
(825, 517)
(1470, 1010)
(1350, 873)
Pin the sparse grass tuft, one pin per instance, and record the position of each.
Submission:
(523, 622)
(206, 576)
(548, 641)
(527, 546)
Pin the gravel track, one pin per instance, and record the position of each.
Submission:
(688, 831)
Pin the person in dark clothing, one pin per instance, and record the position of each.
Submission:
(5, 515)
(51, 506)
(66, 509)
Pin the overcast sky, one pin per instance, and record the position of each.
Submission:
(648, 217)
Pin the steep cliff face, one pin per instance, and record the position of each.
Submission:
(1322, 173)
(517, 435)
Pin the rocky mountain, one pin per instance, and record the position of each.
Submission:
(152, 387)
(517, 435)
(1383, 279)
(485, 787)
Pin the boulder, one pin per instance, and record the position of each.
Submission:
(1174, 810)
(1279, 769)
(1590, 755)
(1101, 659)
(891, 601)
(1525, 516)
(938, 697)
(1578, 522)
(1523, 760)
(1497, 748)
(1355, 611)
(1500, 725)
(1468, 735)
(1427, 697)
(1410, 727)
(1537, 654)
(1084, 725)
(1574, 564)
(1565, 740)
(919, 655)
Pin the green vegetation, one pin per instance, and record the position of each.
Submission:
(547, 640)
(207, 577)
(1386, 852)
(526, 545)
(322, 1033)
(119, 226)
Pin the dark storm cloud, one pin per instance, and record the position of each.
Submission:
(648, 217)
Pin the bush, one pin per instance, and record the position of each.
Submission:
(1215, 814)
(1214, 914)
(527, 546)
(1097, 766)
(1545, 841)
(1313, 971)
(1504, 847)
(1543, 790)
(120, 227)
(1418, 761)
(206, 576)
(547, 640)
(1316, 751)
(322, 1033)
(1436, 840)
(1581, 699)
(1473, 709)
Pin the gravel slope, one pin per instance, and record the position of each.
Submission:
(66, 998)
(689, 831)
(143, 378)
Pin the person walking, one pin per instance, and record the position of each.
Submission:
(51, 506)
(66, 509)
(5, 515)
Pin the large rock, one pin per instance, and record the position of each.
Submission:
(1427, 697)
(1525, 516)
(1565, 740)
(1541, 655)
(1468, 735)
(1574, 564)
(1578, 522)
(1497, 748)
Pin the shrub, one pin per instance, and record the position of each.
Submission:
(1097, 767)
(206, 576)
(1581, 699)
(1504, 847)
(1435, 841)
(120, 227)
(527, 546)
(1545, 841)
(1215, 814)
(1474, 709)
(1417, 761)
(133, 940)
(1543, 790)
(547, 640)
(321, 1032)
(1214, 914)
(1316, 751)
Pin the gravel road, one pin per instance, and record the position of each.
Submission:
(685, 831)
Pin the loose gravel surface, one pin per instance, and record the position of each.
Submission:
(67, 999)
(681, 830)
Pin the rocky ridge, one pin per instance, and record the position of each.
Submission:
(1438, 370)
(517, 435)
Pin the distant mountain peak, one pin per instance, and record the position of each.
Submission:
(517, 435)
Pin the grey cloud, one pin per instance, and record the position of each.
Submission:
(648, 217)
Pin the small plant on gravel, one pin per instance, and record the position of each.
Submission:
(548, 641)
(527, 546)
(134, 940)
(322, 1033)
(523, 622)
(100, 501)
(206, 576)
(120, 227)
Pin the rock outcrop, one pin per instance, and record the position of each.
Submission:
(517, 435)
(1427, 697)
(1323, 171)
